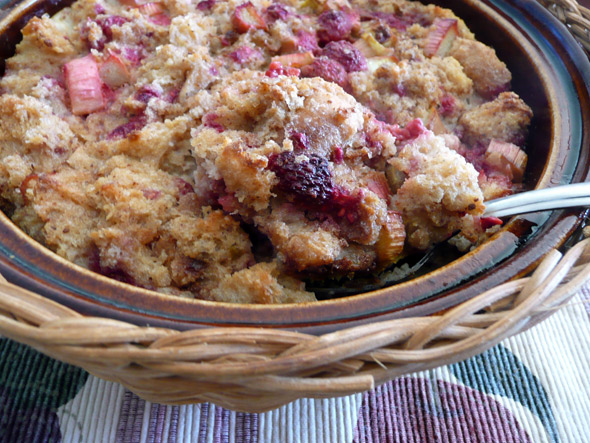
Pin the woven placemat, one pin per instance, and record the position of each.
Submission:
(256, 369)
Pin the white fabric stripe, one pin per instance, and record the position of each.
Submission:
(232, 428)
(167, 424)
(311, 421)
(145, 424)
(77, 424)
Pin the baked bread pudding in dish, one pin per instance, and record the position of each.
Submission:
(230, 150)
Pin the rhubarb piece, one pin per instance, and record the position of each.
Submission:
(370, 47)
(84, 85)
(132, 3)
(435, 123)
(303, 41)
(391, 240)
(156, 13)
(246, 17)
(151, 8)
(276, 68)
(488, 222)
(114, 72)
(347, 55)
(507, 159)
(296, 60)
(328, 69)
(441, 38)
(374, 63)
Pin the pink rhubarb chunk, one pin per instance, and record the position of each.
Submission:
(114, 72)
(441, 37)
(84, 85)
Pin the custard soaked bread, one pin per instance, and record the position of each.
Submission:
(228, 150)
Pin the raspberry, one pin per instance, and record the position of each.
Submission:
(328, 69)
(275, 12)
(347, 55)
(307, 178)
(306, 41)
(334, 25)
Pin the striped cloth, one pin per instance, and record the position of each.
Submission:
(531, 388)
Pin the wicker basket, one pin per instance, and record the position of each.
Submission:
(256, 369)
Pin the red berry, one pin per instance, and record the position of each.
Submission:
(334, 25)
(307, 178)
(275, 12)
(346, 54)
(328, 69)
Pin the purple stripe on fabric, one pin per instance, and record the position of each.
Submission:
(415, 409)
(203, 421)
(173, 428)
(217, 425)
(156, 423)
(452, 434)
(387, 412)
(400, 429)
(382, 427)
(246, 427)
(221, 425)
(130, 419)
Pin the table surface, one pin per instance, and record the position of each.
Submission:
(532, 387)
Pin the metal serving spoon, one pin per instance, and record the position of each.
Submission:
(564, 196)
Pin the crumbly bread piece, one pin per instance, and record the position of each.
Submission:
(439, 188)
(506, 118)
(480, 62)
(262, 283)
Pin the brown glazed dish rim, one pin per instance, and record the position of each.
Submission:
(530, 41)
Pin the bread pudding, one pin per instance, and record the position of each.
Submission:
(230, 150)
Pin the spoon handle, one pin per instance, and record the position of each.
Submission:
(565, 196)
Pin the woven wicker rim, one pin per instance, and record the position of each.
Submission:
(575, 16)
(256, 369)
